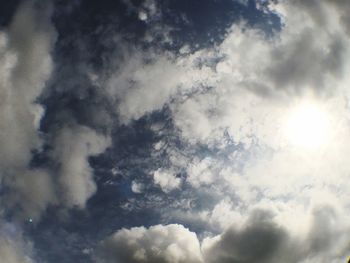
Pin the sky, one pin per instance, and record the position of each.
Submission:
(174, 131)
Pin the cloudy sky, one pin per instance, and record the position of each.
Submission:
(175, 131)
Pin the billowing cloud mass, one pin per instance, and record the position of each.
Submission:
(171, 243)
(171, 132)
(259, 239)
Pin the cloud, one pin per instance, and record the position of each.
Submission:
(26, 65)
(146, 81)
(228, 104)
(31, 190)
(166, 180)
(262, 239)
(234, 99)
(13, 249)
(72, 147)
(199, 172)
(257, 79)
(259, 238)
(11, 254)
(137, 187)
(259, 241)
(169, 243)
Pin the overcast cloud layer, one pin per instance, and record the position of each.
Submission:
(146, 131)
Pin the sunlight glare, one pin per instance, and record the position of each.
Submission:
(308, 126)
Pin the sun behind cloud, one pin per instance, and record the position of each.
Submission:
(308, 126)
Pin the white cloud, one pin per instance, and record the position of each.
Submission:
(200, 172)
(224, 213)
(258, 79)
(166, 244)
(141, 87)
(166, 179)
(137, 187)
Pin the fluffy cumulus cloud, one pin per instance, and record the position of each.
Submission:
(166, 180)
(170, 243)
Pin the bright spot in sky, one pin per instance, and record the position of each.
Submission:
(308, 126)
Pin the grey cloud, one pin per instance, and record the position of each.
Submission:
(328, 238)
(262, 239)
(72, 147)
(300, 63)
(31, 191)
(303, 57)
(26, 65)
(257, 242)
(303, 63)
(318, 11)
(13, 249)
(313, 53)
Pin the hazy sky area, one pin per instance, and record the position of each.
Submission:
(174, 131)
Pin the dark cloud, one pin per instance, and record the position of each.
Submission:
(259, 241)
